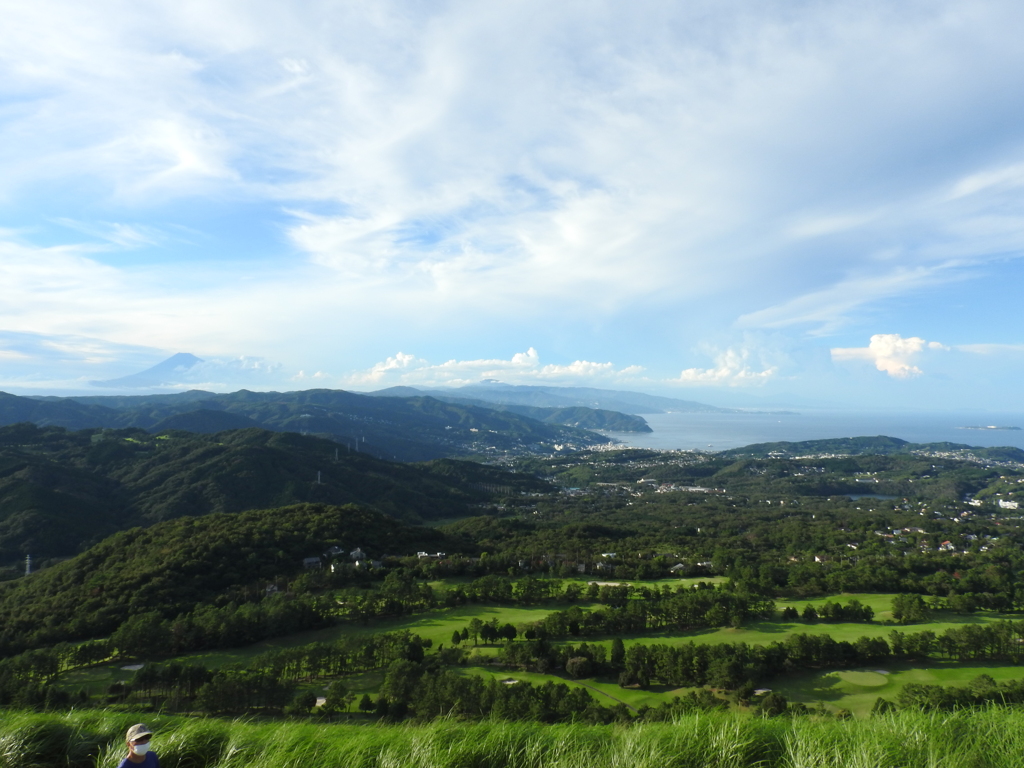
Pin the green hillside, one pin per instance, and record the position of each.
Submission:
(176, 565)
(62, 491)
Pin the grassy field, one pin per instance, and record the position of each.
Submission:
(857, 689)
(987, 738)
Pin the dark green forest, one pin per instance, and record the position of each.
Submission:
(62, 491)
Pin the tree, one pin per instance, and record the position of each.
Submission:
(618, 652)
(745, 692)
(456, 637)
(907, 609)
(475, 625)
(338, 698)
(716, 615)
(579, 666)
(366, 703)
(774, 704)
(143, 634)
(303, 703)
(809, 614)
(400, 680)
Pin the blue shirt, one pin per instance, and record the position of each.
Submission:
(150, 761)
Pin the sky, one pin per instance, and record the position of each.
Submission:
(735, 202)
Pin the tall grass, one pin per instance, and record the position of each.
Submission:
(986, 738)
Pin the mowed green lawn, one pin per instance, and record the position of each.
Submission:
(857, 689)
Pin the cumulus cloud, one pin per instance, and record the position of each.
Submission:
(732, 368)
(522, 367)
(891, 353)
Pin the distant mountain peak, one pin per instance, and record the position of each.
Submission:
(184, 360)
(163, 373)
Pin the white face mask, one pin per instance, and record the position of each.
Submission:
(140, 749)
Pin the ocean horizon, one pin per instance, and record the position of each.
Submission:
(722, 431)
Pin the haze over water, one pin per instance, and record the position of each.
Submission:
(721, 431)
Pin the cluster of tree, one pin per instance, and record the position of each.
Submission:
(488, 631)
(981, 691)
(683, 609)
(31, 679)
(269, 681)
(424, 691)
(174, 683)
(148, 634)
(829, 611)
(730, 665)
(999, 640)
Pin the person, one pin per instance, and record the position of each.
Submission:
(139, 754)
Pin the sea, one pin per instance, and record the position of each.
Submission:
(722, 431)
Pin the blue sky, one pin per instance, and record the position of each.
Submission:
(799, 201)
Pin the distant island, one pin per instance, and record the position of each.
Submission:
(990, 427)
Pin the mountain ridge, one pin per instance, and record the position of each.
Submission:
(405, 429)
(633, 403)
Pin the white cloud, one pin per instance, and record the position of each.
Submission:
(522, 367)
(504, 170)
(222, 375)
(891, 354)
(991, 349)
(732, 368)
(317, 377)
(1005, 177)
(114, 234)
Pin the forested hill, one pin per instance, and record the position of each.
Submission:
(571, 415)
(176, 565)
(863, 446)
(400, 428)
(62, 491)
(560, 397)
